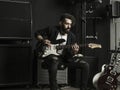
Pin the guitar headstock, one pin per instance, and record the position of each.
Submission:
(93, 45)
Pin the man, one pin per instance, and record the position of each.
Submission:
(62, 35)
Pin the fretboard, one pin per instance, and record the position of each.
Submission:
(69, 46)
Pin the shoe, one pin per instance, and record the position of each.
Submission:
(59, 89)
(83, 88)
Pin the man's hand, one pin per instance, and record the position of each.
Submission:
(75, 48)
(47, 42)
(39, 37)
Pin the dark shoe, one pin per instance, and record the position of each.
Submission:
(59, 88)
(82, 88)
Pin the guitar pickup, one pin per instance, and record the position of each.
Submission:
(112, 72)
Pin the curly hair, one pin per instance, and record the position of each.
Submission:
(69, 16)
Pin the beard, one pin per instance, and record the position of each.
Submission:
(65, 31)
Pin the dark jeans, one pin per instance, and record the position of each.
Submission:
(52, 62)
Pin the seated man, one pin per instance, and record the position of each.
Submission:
(64, 40)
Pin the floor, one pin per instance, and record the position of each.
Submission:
(41, 88)
(69, 88)
(45, 88)
(64, 88)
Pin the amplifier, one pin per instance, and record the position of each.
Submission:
(15, 65)
(43, 78)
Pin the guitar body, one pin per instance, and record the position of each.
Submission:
(45, 51)
(106, 80)
(97, 76)
(50, 50)
(95, 79)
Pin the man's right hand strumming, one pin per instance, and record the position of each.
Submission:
(47, 42)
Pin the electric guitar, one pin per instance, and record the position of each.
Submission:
(55, 48)
(107, 78)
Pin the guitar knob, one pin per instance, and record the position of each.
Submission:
(109, 68)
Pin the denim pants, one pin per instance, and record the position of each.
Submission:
(53, 61)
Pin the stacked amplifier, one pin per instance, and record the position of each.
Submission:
(15, 48)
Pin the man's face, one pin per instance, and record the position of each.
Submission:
(66, 25)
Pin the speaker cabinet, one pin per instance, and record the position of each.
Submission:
(15, 65)
(15, 19)
(16, 10)
(43, 78)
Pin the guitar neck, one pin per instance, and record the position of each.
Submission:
(69, 46)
